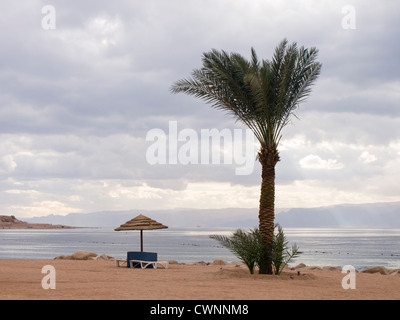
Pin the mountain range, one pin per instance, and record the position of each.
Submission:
(374, 215)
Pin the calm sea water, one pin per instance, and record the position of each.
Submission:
(322, 247)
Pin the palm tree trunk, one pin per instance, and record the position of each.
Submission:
(268, 159)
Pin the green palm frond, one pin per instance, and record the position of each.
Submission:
(262, 94)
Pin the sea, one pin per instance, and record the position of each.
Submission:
(360, 248)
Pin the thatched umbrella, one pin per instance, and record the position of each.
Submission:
(141, 223)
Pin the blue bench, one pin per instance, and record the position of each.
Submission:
(137, 257)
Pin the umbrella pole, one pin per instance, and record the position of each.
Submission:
(141, 240)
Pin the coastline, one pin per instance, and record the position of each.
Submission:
(38, 226)
(12, 223)
(102, 279)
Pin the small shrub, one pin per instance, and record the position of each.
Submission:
(249, 248)
(281, 254)
(244, 245)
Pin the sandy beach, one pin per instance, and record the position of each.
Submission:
(100, 280)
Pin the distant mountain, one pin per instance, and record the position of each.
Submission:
(179, 218)
(376, 215)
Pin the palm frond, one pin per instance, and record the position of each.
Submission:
(262, 94)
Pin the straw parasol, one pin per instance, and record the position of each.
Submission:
(141, 223)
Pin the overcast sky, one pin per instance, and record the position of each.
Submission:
(78, 98)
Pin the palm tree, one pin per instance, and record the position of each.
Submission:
(263, 95)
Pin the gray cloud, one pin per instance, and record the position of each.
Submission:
(77, 102)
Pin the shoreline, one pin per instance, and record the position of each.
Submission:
(39, 226)
(12, 223)
(102, 279)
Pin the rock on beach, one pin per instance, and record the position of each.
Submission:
(85, 255)
(382, 270)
